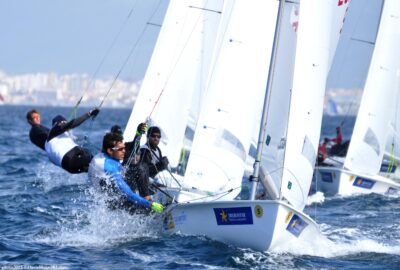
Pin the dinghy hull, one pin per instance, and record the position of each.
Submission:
(332, 181)
(259, 225)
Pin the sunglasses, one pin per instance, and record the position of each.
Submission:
(118, 148)
(155, 136)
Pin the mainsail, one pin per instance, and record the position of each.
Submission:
(371, 129)
(319, 28)
(236, 87)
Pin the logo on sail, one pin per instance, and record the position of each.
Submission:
(233, 216)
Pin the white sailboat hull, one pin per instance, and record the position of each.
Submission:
(333, 180)
(259, 225)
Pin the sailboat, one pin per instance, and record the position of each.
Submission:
(360, 171)
(302, 42)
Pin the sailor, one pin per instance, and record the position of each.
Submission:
(137, 174)
(339, 137)
(38, 133)
(322, 151)
(106, 175)
(150, 153)
(61, 147)
(339, 148)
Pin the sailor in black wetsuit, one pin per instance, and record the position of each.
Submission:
(61, 148)
(150, 153)
(38, 133)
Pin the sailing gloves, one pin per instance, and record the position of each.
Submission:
(157, 207)
(141, 129)
(94, 112)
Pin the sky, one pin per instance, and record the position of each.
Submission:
(73, 36)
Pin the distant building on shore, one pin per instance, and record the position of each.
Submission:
(49, 89)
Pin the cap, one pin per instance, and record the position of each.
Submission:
(116, 129)
(58, 119)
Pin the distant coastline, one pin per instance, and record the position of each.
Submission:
(50, 89)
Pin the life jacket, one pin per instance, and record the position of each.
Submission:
(57, 147)
(155, 155)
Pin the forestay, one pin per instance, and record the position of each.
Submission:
(317, 47)
(378, 101)
(235, 92)
(183, 50)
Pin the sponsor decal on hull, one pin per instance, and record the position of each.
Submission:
(326, 177)
(363, 183)
(171, 221)
(233, 216)
(388, 168)
(391, 191)
(296, 225)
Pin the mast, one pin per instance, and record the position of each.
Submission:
(262, 134)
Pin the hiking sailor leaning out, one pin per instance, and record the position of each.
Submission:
(136, 174)
(38, 133)
(106, 175)
(61, 147)
(150, 153)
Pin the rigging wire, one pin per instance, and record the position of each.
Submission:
(130, 53)
(123, 65)
(114, 40)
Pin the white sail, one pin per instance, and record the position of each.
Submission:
(393, 141)
(370, 132)
(318, 34)
(183, 50)
(236, 88)
(279, 95)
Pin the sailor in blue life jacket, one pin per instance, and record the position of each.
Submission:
(107, 175)
(137, 174)
(38, 133)
(150, 153)
(61, 147)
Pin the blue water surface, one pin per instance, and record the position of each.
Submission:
(48, 219)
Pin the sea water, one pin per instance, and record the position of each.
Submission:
(49, 220)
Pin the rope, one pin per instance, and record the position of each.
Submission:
(126, 60)
(346, 115)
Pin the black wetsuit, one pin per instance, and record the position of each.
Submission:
(38, 135)
(137, 174)
(76, 159)
(152, 158)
